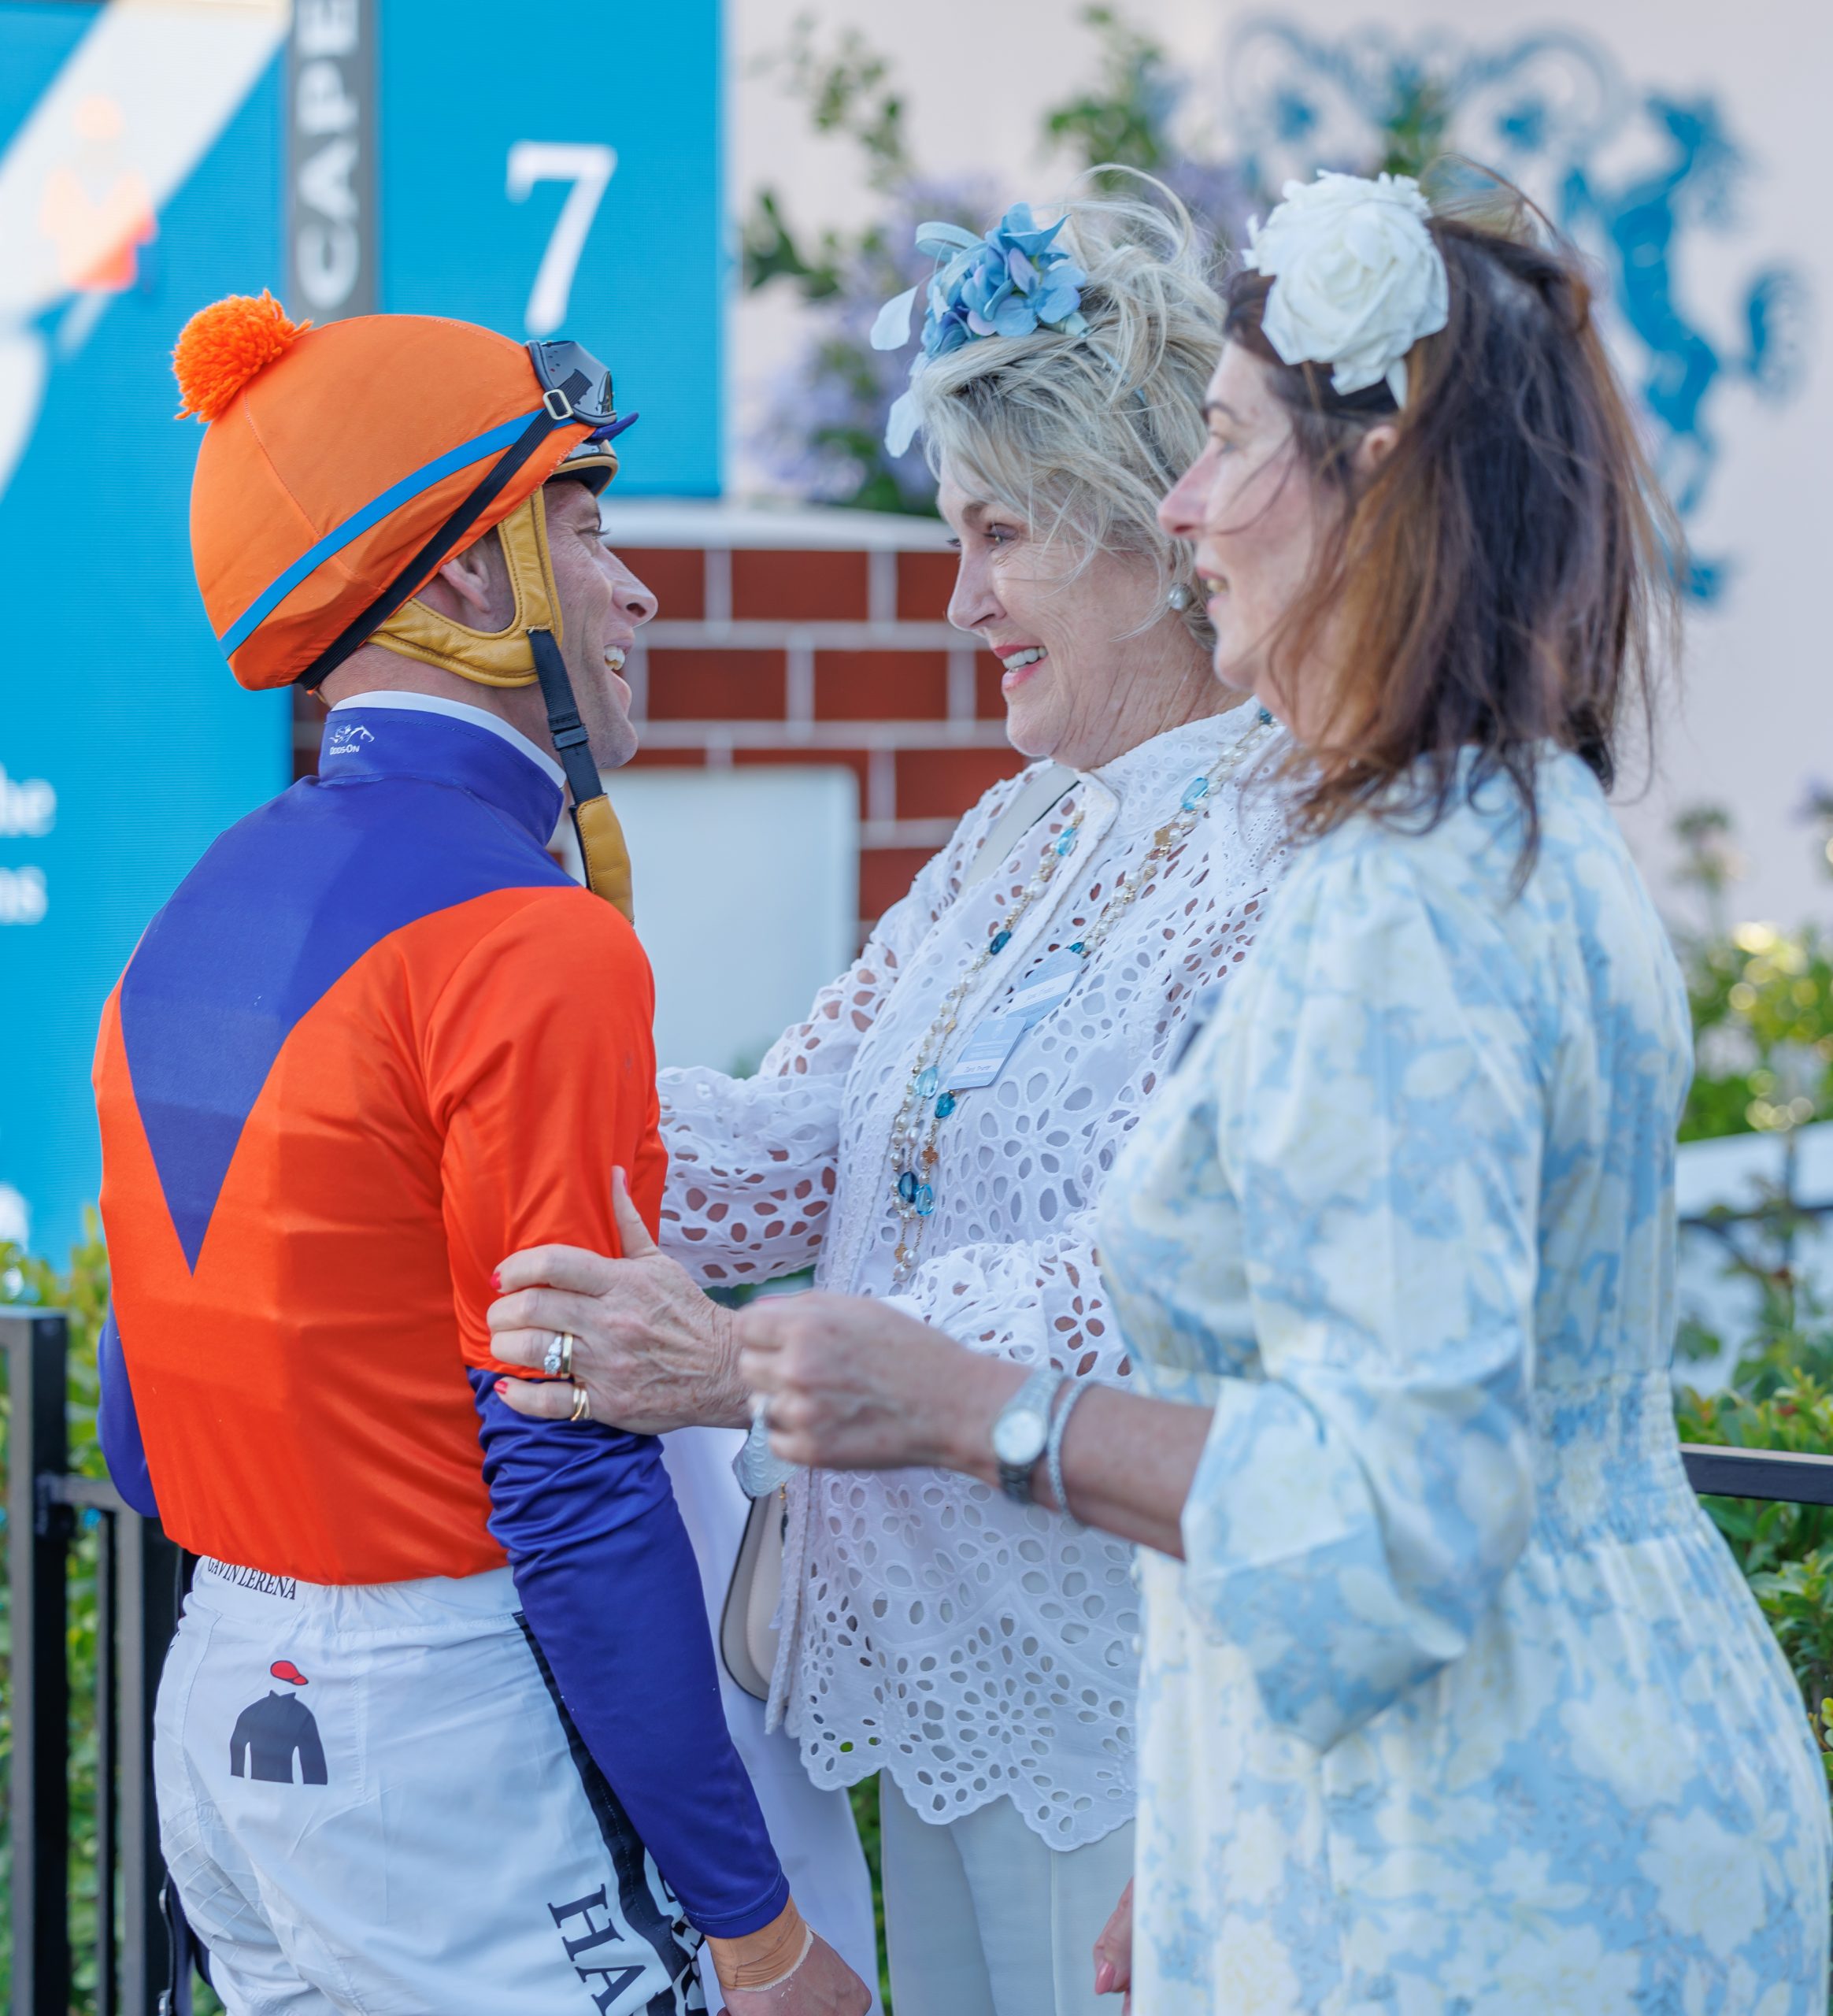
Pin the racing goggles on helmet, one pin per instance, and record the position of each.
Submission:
(576, 387)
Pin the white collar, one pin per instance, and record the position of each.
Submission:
(1143, 769)
(459, 710)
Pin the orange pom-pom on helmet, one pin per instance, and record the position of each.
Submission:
(222, 348)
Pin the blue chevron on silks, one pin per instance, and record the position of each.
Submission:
(291, 898)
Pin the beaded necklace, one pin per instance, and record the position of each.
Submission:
(913, 1153)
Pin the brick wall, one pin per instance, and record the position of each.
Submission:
(810, 636)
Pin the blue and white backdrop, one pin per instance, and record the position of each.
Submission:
(533, 184)
(1683, 155)
(1683, 143)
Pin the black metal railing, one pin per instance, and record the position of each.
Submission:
(137, 1596)
(1777, 1474)
(138, 1589)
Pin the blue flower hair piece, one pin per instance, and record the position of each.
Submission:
(1009, 283)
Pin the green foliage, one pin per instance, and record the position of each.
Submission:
(1416, 126)
(1763, 1019)
(1797, 1599)
(1762, 1006)
(865, 1796)
(768, 251)
(1780, 1397)
(1122, 118)
(82, 1292)
(1762, 998)
(846, 90)
(825, 439)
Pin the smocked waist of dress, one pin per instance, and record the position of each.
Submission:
(1607, 1460)
(1606, 1453)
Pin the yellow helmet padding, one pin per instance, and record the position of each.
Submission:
(489, 657)
(505, 657)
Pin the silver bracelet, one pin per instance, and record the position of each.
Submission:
(1053, 1448)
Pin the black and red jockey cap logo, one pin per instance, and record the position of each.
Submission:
(285, 1670)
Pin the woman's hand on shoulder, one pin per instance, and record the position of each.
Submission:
(849, 1384)
(653, 1352)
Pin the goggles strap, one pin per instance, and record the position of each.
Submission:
(602, 848)
(436, 550)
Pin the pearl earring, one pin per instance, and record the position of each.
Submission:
(1179, 597)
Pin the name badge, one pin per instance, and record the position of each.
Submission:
(1039, 994)
(983, 1057)
(1044, 988)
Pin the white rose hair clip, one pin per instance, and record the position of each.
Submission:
(1358, 279)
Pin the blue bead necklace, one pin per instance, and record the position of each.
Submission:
(928, 1102)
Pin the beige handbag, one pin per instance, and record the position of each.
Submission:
(747, 1637)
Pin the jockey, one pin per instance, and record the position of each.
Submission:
(440, 1730)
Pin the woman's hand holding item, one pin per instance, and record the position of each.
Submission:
(1114, 1953)
(848, 1384)
(649, 1350)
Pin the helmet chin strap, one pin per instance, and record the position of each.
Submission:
(526, 652)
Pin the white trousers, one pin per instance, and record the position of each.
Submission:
(372, 1807)
(811, 1828)
(983, 1919)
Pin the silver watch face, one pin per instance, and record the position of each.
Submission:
(1020, 1436)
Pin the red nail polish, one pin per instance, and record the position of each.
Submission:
(496, 1279)
(502, 1385)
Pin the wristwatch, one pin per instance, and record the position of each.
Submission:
(1022, 1430)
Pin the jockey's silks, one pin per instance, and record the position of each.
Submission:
(376, 1042)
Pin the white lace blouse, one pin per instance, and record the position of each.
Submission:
(970, 1646)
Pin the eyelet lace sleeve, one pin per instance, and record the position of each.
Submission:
(1035, 1301)
(751, 1161)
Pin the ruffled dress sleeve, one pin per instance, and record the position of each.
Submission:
(1380, 1118)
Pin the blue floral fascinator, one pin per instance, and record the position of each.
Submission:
(1008, 283)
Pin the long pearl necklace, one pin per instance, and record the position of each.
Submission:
(928, 1103)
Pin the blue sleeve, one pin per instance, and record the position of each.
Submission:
(119, 1426)
(610, 1588)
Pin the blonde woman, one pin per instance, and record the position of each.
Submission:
(937, 1132)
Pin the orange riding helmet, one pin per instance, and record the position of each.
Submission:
(342, 467)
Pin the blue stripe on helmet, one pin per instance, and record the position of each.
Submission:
(372, 512)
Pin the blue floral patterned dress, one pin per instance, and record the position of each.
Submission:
(1460, 1706)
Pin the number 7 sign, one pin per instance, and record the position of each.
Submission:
(589, 168)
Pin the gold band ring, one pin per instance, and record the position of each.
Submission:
(556, 1361)
(582, 1406)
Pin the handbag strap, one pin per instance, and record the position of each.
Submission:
(1051, 783)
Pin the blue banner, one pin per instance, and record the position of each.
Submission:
(139, 177)
(536, 186)
(550, 182)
